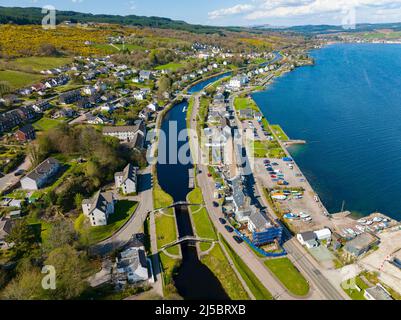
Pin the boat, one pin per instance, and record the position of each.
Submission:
(279, 196)
(304, 215)
(290, 216)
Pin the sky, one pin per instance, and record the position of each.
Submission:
(238, 12)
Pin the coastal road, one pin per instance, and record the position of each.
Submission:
(297, 254)
(254, 263)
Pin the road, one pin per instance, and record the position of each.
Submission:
(10, 179)
(297, 254)
(262, 273)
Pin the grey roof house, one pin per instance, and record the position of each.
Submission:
(41, 175)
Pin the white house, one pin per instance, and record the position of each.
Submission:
(132, 266)
(99, 208)
(39, 176)
(308, 239)
(238, 82)
(126, 133)
(127, 180)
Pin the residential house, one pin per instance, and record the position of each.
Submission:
(70, 97)
(84, 103)
(25, 133)
(128, 133)
(127, 180)
(238, 82)
(308, 239)
(92, 119)
(41, 175)
(41, 106)
(246, 114)
(99, 208)
(145, 75)
(131, 266)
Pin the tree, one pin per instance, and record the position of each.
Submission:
(22, 236)
(164, 85)
(69, 279)
(62, 233)
(26, 286)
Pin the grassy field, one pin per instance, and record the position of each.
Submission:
(42, 63)
(279, 132)
(169, 266)
(173, 66)
(165, 223)
(270, 148)
(123, 212)
(245, 103)
(46, 124)
(218, 264)
(203, 226)
(290, 277)
(257, 288)
(18, 79)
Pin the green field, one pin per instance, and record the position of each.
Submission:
(165, 222)
(203, 226)
(279, 132)
(173, 66)
(256, 287)
(169, 266)
(272, 149)
(42, 63)
(218, 264)
(245, 103)
(18, 79)
(46, 124)
(289, 276)
(123, 212)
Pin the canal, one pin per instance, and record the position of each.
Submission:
(194, 281)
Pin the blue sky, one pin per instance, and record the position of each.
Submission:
(238, 12)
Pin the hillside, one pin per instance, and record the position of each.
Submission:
(25, 16)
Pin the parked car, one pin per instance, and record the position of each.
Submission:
(19, 172)
(222, 221)
(215, 204)
(238, 239)
(229, 229)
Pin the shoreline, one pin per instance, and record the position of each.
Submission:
(353, 215)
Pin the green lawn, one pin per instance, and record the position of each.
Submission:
(45, 124)
(173, 66)
(257, 288)
(18, 79)
(245, 103)
(123, 212)
(42, 63)
(260, 149)
(203, 226)
(218, 264)
(290, 277)
(279, 132)
(169, 266)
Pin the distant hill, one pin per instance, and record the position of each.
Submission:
(23, 16)
(327, 29)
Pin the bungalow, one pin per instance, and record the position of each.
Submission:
(127, 180)
(25, 133)
(92, 119)
(99, 208)
(308, 239)
(41, 175)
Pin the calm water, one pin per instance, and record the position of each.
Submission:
(348, 108)
(194, 281)
(199, 86)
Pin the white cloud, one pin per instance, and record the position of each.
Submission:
(281, 9)
(238, 9)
